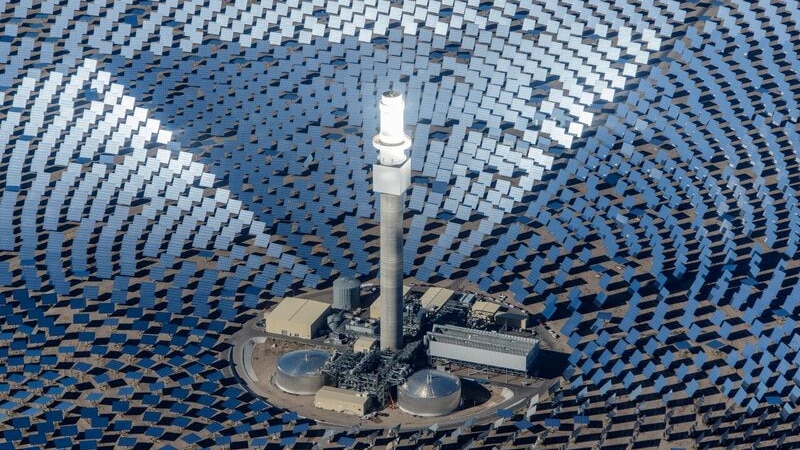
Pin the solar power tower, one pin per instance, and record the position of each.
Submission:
(391, 177)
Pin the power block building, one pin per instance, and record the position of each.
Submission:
(483, 348)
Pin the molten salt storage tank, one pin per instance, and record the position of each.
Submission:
(300, 372)
(429, 392)
(346, 294)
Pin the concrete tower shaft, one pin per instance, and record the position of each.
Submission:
(391, 267)
(391, 177)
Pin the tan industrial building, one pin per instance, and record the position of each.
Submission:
(375, 307)
(297, 317)
(364, 344)
(343, 400)
(487, 310)
(434, 298)
(513, 319)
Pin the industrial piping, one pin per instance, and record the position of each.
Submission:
(391, 177)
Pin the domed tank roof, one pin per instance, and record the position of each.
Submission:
(346, 283)
(429, 383)
(303, 362)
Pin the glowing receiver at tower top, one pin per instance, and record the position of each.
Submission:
(391, 141)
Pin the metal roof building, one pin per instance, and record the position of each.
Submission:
(480, 347)
(434, 298)
(299, 317)
(364, 344)
(512, 319)
(375, 307)
(486, 309)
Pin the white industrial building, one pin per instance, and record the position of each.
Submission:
(484, 348)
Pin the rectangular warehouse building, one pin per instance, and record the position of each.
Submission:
(485, 348)
(375, 307)
(343, 400)
(434, 298)
(486, 310)
(298, 317)
(512, 320)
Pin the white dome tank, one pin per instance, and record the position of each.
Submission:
(429, 392)
(300, 372)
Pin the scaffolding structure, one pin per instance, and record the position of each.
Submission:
(452, 313)
(374, 372)
(413, 318)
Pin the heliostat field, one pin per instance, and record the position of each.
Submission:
(627, 170)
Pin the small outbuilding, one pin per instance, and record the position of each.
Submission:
(486, 310)
(512, 320)
(345, 401)
(364, 344)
